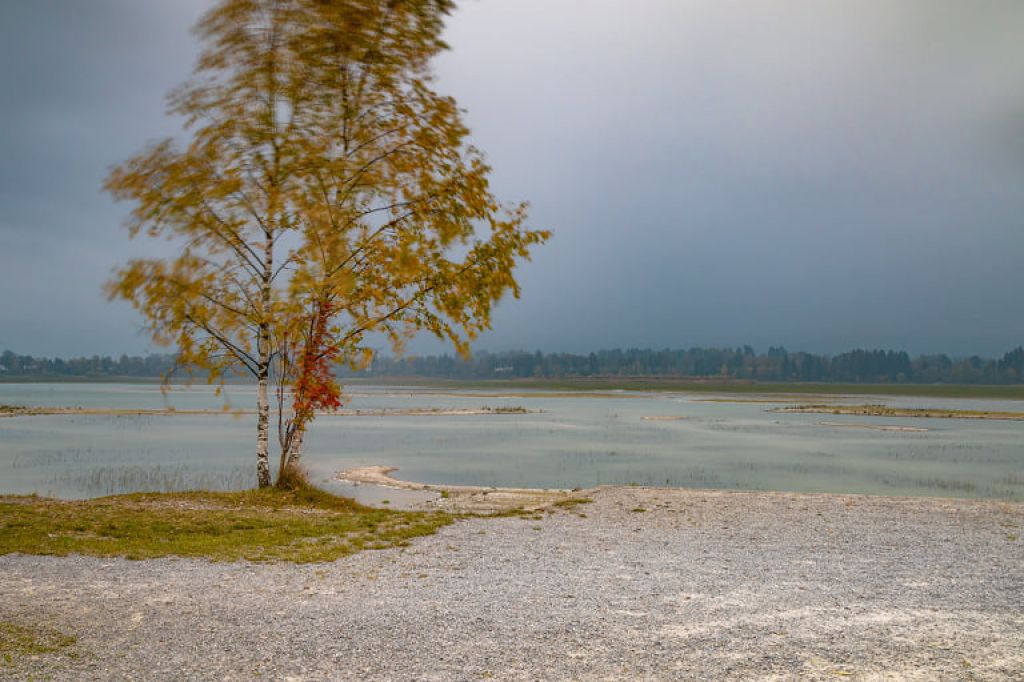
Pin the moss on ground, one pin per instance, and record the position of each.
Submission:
(18, 641)
(303, 525)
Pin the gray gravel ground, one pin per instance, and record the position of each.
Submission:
(701, 585)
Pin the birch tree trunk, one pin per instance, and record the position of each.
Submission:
(263, 425)
(263, 370)
(295, 448)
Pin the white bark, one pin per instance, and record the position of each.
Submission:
(262, 431)
(295, 449)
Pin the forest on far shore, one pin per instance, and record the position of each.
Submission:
(744, 363)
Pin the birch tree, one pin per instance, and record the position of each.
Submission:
(326, 193)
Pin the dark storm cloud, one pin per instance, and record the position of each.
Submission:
(810, 173)
(83, 87)
(818, 174)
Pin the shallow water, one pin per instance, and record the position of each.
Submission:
(572, 442)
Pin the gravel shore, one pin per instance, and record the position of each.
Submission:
(639, 584)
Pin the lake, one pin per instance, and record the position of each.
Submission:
(565, 441)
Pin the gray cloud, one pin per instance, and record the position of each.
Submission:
(817, 174)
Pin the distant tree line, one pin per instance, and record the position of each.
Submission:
(778, 364)
(857, 366)
(154, 365)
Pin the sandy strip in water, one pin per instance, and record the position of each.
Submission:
(463, 498)
(875, 427)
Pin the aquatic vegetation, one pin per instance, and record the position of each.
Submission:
(890, 411)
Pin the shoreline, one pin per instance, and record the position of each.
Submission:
(638, 384)
(22, 411)
(538, 498)
(463, 498)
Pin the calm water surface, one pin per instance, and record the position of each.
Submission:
(573, 441)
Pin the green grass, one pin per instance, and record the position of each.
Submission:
(17, 641)
(303, 525)
(571, 502)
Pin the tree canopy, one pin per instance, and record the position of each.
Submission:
(326, 193)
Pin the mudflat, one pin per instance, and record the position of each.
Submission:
(637, 584)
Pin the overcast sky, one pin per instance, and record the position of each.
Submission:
(818, 174)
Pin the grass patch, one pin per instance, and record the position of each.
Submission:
(513, 513)
(571, 502)
(301, 525)
(17, 641)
